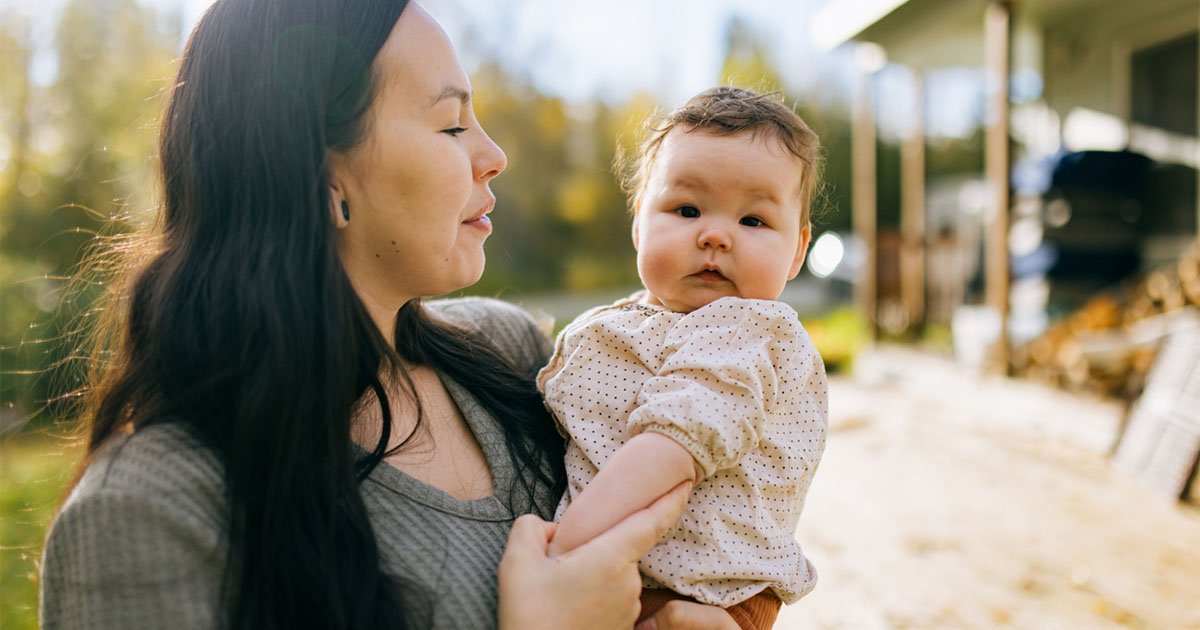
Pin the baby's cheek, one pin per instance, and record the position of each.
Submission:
(655, 264)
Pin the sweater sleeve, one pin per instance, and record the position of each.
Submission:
(719, 379)
(139, 544)
(123, 560)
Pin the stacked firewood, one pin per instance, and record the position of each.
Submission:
(1108, 344)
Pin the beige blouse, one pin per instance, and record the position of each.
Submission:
(739, 385)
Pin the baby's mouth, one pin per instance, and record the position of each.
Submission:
(711, 275)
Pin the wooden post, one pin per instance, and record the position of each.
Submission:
(862, 194)
(997, 34)
(912, 211)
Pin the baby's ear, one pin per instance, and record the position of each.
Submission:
(798, 262)
(637, 206)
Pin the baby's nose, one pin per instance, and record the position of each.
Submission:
(715, 238)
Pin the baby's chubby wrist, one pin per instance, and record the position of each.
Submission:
(674, 461)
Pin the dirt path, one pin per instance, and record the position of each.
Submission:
(953, 502)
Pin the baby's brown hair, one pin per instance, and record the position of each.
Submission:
(728, 111)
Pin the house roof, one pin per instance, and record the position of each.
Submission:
(939, 33)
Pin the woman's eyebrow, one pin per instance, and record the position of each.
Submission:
(452, 91)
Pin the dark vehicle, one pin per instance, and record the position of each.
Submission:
(1095, 217)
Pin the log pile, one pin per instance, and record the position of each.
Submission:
(1108, 344)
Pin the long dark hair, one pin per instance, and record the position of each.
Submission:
(243, 326)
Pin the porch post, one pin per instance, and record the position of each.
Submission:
(912, 210)
(862, 194)
(996, 166)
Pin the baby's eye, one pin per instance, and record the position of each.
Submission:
(688, 212)
(454, 131)
(752, 222)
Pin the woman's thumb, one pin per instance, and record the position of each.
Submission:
(529, 535)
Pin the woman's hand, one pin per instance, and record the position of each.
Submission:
(684, 615)
(595, 586)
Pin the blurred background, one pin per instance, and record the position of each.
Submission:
(1010, 197)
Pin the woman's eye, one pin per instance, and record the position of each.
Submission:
(454, 131)
(752, 222)
(688, 212)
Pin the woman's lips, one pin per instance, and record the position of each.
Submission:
(482, 222)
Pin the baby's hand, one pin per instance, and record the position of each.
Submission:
(682, 615)
(557, 546)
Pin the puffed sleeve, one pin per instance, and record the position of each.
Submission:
(719, 380)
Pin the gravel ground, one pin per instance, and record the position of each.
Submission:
(950, 501)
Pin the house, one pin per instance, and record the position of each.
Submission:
(1112, 83)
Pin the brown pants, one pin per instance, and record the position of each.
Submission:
(757, 613)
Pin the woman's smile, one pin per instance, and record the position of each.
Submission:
(481, 220)
(482, 223)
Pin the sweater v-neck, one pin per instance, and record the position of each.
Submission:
(486, 430)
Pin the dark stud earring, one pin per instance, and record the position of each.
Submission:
(345, 210)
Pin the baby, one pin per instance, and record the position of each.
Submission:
(703, 376)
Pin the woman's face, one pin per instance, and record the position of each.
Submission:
(417, 187)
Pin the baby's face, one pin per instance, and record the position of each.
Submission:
(719, 216)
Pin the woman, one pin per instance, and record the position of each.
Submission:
(282, 436)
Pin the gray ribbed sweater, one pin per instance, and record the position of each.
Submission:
(141, 540)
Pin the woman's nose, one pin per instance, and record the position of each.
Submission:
(715, 237)
(490, 161)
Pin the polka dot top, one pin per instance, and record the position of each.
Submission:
(739, 385)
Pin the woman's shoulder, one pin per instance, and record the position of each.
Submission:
(512, 330)
(486, 314)
(162, 464)
(153, 457)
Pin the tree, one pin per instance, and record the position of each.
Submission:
(78, 165)
(747, 61)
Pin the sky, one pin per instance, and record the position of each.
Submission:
(578, 50)
(581, 50)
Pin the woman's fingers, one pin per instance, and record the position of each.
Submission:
(594, 586)
(588, 592)
(630, 539)
(524, 571)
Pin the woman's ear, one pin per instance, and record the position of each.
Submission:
(339, 206)
(339, 210)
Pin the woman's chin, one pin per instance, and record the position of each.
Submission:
(469, 277)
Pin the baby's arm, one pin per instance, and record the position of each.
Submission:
(645, 468)
(701, 412)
